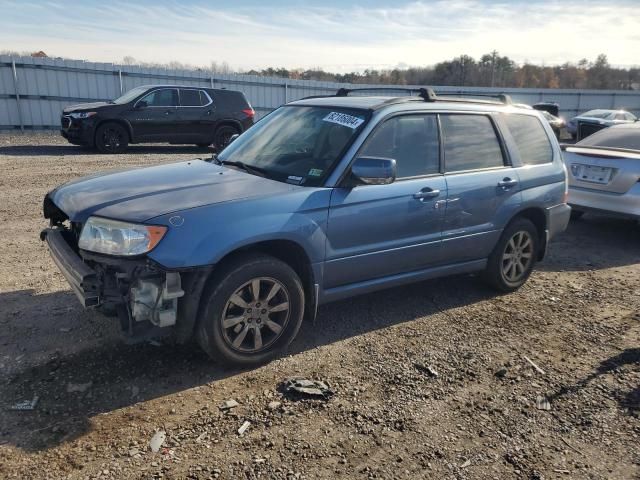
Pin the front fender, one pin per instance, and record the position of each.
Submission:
(203, 236)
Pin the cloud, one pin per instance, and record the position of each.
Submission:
(340, 38)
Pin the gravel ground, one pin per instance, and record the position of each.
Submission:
(430, 380)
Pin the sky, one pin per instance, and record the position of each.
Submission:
(338, 36)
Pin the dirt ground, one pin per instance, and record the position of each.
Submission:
(430, 380)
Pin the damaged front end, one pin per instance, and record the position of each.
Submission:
(149, 300)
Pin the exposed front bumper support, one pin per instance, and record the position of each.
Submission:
(83, 280)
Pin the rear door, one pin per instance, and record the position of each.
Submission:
(482, 188)
(380, 230)
(195, 118)
(155, 121)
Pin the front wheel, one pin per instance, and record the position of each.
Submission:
(514, 256)
(111, 138)
(252, 310)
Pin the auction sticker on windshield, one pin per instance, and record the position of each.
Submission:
(344, 120)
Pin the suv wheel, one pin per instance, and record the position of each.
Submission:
(111, 138)
(513, 258)
(223, 136)
(251, 310)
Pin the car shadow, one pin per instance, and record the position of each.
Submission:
(122, 375)
(581, 246)
(629, 400)
(64, 150)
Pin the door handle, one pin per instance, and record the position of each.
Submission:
(168, 112)
(506, 183)
(426, 193)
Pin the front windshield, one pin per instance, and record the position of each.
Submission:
(130, 95)
(297, 145)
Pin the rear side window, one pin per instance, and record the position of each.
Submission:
(167, 97)
(531, 139)
(412, 140)
(191, 98)
(470, 143)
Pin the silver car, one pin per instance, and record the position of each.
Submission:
(604, 118)
(604, 172)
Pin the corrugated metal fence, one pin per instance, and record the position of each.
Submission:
(33, 91)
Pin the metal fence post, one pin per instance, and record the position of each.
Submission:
(286, 92)
(211, 78)
(120, 80)
(15, 88)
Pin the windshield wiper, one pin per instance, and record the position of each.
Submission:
(243, 166)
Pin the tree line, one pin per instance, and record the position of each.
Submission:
(491, 70)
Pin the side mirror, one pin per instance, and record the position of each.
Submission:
(232, 138)
(374, 170)
(141, 104)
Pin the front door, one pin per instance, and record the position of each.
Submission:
(379, 230)
(482, 189)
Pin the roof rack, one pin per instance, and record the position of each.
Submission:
(501, 97)
(427, 94)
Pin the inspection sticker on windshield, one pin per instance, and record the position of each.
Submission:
(344, 120)
(315, 172)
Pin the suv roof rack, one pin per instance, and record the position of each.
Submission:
(427, 94)
(501, 97)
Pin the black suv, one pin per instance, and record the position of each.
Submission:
(159, 113)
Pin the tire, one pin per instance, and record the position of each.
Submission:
(576, 214)
(112, 137)
(520, 238)
(252, 335)
(223, 136)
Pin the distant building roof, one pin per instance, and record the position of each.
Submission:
(39, 54)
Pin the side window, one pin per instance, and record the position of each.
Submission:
(530, 137)
(167, 97)
(412, 140)
(190, 98)
(621, 116)
(470, 143)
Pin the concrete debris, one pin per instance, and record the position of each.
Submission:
(542, 403)
(466, 464)
(228, 405)
(426, 369)
(157, 440)
(302, 387)
(275, 405)
(244, 427)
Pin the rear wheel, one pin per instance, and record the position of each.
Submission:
(111, 138)
(223, 135)
(252, 310)
(513, 258)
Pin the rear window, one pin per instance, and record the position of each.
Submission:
(531, 139)
(192, 98)
(614, 137)
(470, 143)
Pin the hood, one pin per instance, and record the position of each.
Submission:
(86, 107)
(141, 194)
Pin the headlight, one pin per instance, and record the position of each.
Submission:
(102, 235)
(82, 114)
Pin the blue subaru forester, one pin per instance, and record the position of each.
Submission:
(323, 199)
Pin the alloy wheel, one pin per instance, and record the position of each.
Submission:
(517, 256)
(255, 315)
(112, 139)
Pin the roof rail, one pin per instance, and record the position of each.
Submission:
(501, 97)
(427, 94)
